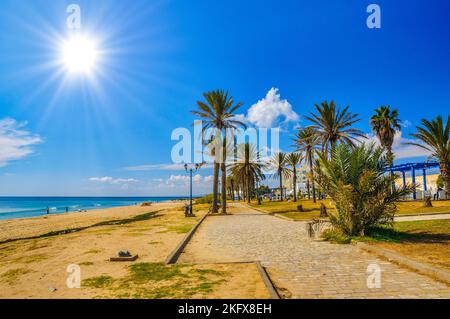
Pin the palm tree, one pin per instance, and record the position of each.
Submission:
(247, 170)
(279, 164)
(385, 123)
(294, 159)
(435, 138)
(354, 178)
(306, 142)
(218, 114)
(332, 125)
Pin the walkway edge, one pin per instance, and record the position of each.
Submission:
(431, 271)
(269, 213)
(267, 282)
(175, 254)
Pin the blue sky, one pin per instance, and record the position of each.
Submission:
(66, 134)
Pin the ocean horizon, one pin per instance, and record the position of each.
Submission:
(12, 207)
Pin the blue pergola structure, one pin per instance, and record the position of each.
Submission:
(403, 168)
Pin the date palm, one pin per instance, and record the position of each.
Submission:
(279, 165)
(355, 179)
(248, 169)
(435, 138)
(294, 159)
(385, 123)
(306, 142)
(217, 112)
(333, 124)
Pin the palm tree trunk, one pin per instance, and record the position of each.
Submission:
(444, 168)
(215, 209)
(224, 174)
(390, 156)
(248, 191)
(295, 184)
(312, 178)
(308, 188)
(281, 186)
(232, 190)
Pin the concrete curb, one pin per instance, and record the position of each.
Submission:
(175, 254)
(428, 270)
(267, 282)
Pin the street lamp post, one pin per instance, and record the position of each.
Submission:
(191, 170)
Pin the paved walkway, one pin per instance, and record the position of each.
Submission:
(421, 217)
(299, 267)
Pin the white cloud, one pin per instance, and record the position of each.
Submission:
(185, 178)
(400, 148)
(270, 111)
(208, 179)
(178, 180)
(111, 180)
(405, 124)
(15, 142)
(403, 150)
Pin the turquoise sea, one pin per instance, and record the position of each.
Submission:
(21, 207)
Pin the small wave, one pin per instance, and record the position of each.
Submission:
(21, 211)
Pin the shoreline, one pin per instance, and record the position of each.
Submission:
(82, 210)
(13, 229)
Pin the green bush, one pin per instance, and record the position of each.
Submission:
(207, 199)
(355, 179)
(336, 236)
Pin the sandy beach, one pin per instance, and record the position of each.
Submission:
(37, 267)
(34, 226)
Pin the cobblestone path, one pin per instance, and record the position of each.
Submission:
(299, 267)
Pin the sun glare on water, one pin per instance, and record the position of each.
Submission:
(79, 54)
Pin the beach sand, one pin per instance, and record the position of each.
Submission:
(37, 268)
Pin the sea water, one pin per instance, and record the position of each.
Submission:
(22, 207)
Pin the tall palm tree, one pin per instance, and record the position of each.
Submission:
(218, 114)
(435, 138)
(279, 164)
(385, 123)
(247, 169)
(306, 142)
(294, 159)
(332, 125)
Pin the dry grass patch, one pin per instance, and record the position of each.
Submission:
(11, 276)
(289, 209)
(312, 210)
(426, 241)
(416, 207)
(156, 280)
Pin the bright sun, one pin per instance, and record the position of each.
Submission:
(79, 54)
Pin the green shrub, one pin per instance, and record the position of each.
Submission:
(207, 199)
(336, 236)
(355, 179)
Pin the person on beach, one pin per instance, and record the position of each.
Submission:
(48, 210)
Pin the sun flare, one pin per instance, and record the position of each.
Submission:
(79, 54)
